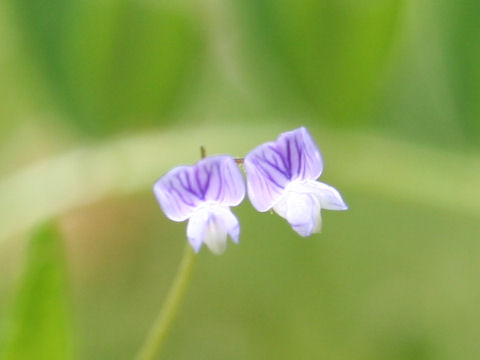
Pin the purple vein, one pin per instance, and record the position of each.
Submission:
(301, 164)
(188, 185)
(276, 167)
(267, 174)
(289, 158)
(280, 155)
(220, 182)
(172, 189)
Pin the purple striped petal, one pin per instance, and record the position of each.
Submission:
(184, 189)
(272, 166)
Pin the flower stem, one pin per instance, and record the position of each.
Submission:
(153, 343)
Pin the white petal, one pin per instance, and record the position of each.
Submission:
(281, 205)
(215, 235)
(196, 229)
(328, 196)
(302, 212)
(318, 222)
(229, 221)
(210, 225)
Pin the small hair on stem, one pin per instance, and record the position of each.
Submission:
(203, 155)
(203, 152)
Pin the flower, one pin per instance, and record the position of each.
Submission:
(203, 194)
(282, 175)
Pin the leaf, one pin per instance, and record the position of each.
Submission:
(40, 321)
(461, 24)
(328, 54)
(111, 65)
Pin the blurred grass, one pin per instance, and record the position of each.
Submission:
(110, 66)
(329, 55)
(413, 214)
(461, 29)
(40, 325)
(278, 295)
(99, 98)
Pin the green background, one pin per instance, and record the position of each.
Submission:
(99, 98)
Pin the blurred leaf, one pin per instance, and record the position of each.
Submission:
(39, 326)
(113, 64)
(328, 53)
(432, 94)
(461, 24)
(43, 24)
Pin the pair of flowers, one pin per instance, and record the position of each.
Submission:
(281, 175)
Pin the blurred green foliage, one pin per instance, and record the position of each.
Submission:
(330, 55)
(373, 285)
(40, 327)
(395, 277)
(111, 65)
(115, 65)
(461, 22)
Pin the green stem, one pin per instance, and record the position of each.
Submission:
(154, 340)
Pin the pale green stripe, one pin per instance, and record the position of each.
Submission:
(365, 162)
(409, 172)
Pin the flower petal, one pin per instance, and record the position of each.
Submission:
(302, 212)
(263, 187)
(224, 180)
(215, 235)
(229, 221)
(210, 225)
(271, 166)
(196, 229)
(215, 179)
(221, 222)
(328, 196)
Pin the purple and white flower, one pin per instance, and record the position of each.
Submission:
(281, 175)
(203, 194)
